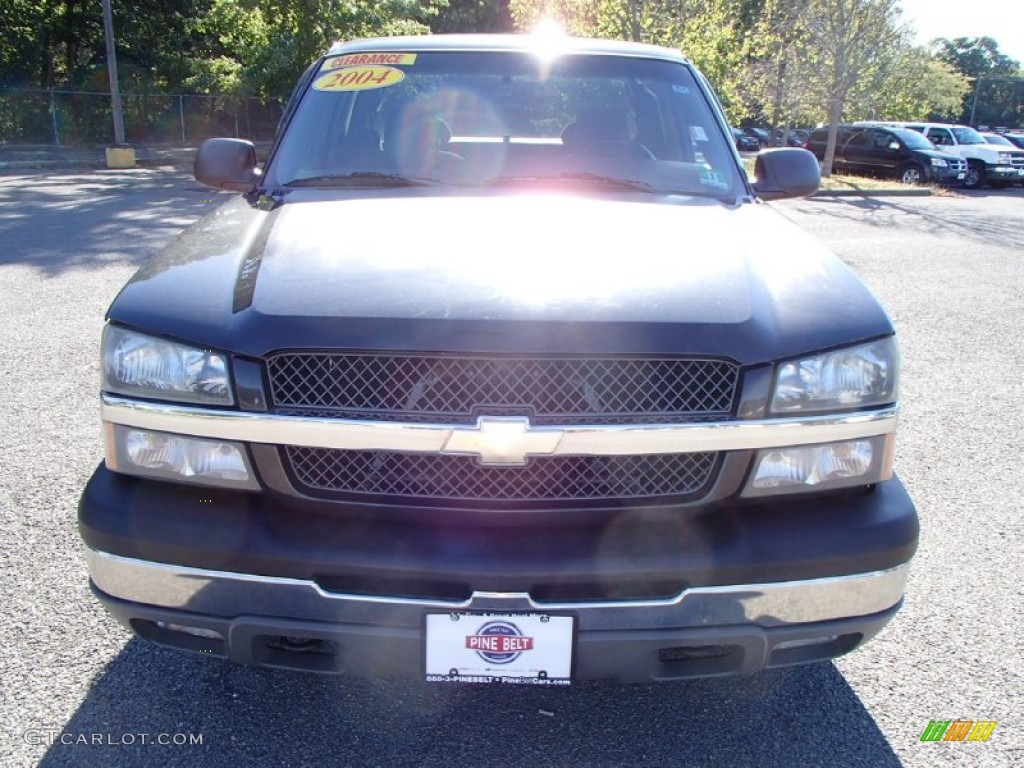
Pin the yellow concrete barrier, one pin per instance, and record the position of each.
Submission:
(120, 157)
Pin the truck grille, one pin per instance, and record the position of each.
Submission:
(553, 391)
(327, 472)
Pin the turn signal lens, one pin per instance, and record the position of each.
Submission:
(820, 467)
(173, 457)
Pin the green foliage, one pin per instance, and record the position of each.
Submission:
(858, 45)
(21, 21)
(996, 95)
(974, 56)
(229, 47)
(782, 68)
(926, 89)
(707, 31)
(473, 16)
(576, 17)
(781, 62)
(260, 47)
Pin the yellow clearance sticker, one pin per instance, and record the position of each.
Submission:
(358, 79)
(363, 59)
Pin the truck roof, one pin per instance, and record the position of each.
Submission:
(565, 44)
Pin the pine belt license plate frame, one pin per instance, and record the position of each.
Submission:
(500, 647)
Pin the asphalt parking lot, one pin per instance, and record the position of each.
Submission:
(79, 691)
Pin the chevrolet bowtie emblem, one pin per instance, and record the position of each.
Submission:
(502, 441)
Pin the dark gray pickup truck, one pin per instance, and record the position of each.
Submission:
(499, 369)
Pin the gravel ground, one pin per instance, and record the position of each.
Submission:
(948, 268)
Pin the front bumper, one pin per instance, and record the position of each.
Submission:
(946, 175)
(294, 624)
(1005, 173)
(658, 593)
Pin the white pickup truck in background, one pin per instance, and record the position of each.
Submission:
(986, 163)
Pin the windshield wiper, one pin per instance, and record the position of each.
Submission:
(361, 179)
(576, 178)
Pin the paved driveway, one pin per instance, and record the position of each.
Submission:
(949, 269)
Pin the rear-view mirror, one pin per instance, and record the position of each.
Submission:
(226, 164)
(786, 172)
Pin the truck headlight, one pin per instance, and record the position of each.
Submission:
(821, 467)
(144, 366)
(939, 162)
(844, 379)
(165, 456)
(1005, 158)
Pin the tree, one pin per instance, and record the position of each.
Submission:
(974, 56)
(300, 30)
(25, 27)
(577, 17)
(707, 32)
(252, 46)
(858, 42)
(996, 91)
(926, 89)
(781, 70)
(473, 16)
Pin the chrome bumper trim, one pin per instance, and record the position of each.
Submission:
(225, 594)
(576, 440)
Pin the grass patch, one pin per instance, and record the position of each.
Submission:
(860, 182)
(839, 182)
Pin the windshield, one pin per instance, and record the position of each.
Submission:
(968, 136)
(995, 138)
(506, 118)
(913, 139)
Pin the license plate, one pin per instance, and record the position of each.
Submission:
(960, 175)
(520, 648)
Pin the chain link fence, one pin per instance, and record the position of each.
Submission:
(83, 118)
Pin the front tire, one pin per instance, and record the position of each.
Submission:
(912, 174)
(975, 176)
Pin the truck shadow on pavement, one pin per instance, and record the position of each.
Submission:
(807, 715)
(60, 221)
(934, 220)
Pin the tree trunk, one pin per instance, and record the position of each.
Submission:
(636, 32)
(780, 90)
(835, 111)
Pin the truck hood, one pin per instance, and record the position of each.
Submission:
(988, 150)
(947, 156)
(423, 270)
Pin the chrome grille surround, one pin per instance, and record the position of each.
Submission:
(323, 471)
(586, 445)
(459, 389)
(957, 166)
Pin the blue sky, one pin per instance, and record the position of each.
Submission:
(999, 19)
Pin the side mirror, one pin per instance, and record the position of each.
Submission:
(226, 164)
(894, 146)
(786, 172)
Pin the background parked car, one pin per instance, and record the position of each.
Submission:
(762, 136)
(818, 138)
(997, 138)
(795, 138)
(986, 163)
(745, 142)
(1004, 140)
(895, 152)
(1017, 139)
